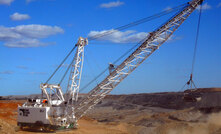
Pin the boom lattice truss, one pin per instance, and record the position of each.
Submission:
(76, 71)
(150, 45)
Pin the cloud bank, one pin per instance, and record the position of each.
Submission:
(128, 36)
(37, 73)
(205, 6)
(219, 5)
(6, 2)
(6, 72)
(111, 4)
(27, 35)
(17, 16)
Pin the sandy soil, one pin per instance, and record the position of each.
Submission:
(123, 117)
(8, 112)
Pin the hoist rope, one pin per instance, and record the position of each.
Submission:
(149, 18)
(190, 81)
(113, 31)
(113, 63)
(124, 27)
(60, 64)
(69, 66)
(196, 41)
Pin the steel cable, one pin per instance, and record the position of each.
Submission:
(60, 64)
(149, 18)
(111, 32)
(124, 27)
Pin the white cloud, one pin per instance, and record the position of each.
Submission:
(219, 5)
(8, 34)
(7, 72)
(111, 4)
(129, 36)
(6, 2)
(25, 43)
(174, 38)
(29, 1)
(27, 35)
(167, 8)
(37, 31)
(37, 73)
(22, 67)
(17, 16)
(63, 65)
(205, 6)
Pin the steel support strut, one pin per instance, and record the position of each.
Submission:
(76, 71)
(151, 44)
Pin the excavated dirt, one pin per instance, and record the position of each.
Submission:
(159, 113)
(8, 113)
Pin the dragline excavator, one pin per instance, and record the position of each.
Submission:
(56, 110)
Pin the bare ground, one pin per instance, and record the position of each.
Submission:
(131, 114)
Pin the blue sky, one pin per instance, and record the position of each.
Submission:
(35, 36)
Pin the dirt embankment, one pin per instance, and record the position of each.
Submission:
(208, 97)
(157, 113)
(8, 115)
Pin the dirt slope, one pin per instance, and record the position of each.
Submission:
(158, 113)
